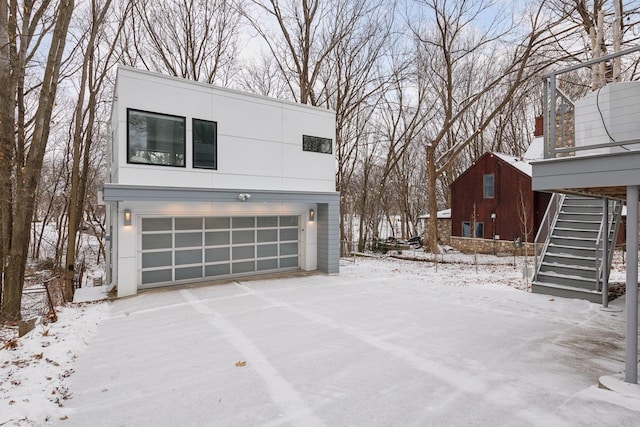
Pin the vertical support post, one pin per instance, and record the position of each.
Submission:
(552, 117)
(604, 263)
(631, 338)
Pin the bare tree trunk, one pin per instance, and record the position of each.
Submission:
(29, 156)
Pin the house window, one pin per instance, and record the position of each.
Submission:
(316, 144)
(466, 229)
(488, 186)
(205, 136)
(156, 139)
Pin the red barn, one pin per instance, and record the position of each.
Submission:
(498, 188)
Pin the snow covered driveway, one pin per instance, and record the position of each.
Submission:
(385, 343)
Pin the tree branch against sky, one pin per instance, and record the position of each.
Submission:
(470, 66)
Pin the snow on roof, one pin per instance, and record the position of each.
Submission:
(443, 214)
(535, 150)
(518, 163)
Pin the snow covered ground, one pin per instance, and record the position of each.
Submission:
(386, 342)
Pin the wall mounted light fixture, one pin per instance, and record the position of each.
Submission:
(127, 217)
(312, 215)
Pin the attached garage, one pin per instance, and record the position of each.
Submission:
(183, 249)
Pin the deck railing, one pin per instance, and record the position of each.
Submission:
(559, 112)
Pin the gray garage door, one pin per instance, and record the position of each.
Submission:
(191, 249)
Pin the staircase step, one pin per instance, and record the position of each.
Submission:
(582, 208)
(571, 250)
(566, 280)
(576, 232)
(578, 216)
(565, 259)
(566, 292)
(585, 272)
(578, 242)
(577, 224)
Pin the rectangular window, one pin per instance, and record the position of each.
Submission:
(205, 147)
(316, 144)
(488, 186)
(466, 229)
(157, 139)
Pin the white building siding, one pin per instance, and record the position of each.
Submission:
(259, 141)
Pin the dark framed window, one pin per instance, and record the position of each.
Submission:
(205, 144)
(154, 138)
(466, 229)
(317, 144)
(488, 185)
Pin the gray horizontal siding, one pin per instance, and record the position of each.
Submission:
(328, 237)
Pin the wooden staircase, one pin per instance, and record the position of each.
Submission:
(572, 262)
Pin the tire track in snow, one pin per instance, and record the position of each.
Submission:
(281, 391)
(458, 378)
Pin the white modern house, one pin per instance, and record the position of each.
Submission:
(208, 183)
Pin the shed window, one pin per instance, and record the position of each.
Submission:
(205, 135)
(316, 144)
(153, 138)
(488, 186)
(466, 229)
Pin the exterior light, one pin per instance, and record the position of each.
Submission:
(243, 197)
(312, 215)
(127, 217)
(493, 216)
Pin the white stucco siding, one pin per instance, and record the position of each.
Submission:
(259, 139)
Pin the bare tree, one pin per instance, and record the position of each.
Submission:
(98, 48)
(27, 97)
(192, 39)
(468, 69)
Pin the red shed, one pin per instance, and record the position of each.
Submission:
(499, 185)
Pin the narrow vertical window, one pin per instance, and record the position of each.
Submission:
(205, 135)
(466, 229)
(489, 189)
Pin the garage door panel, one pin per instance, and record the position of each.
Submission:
(188, 273)
(156, 259)
(157, 224)
(191, 256)
(267, 236)
(288, 221)
(243, 267)
(243, 252)
(217, 238)
(243, 222)
(265, 251)
(157, 241)
(243, 236)
(267, 221)
(183, 249)
(216, 254)
(289, 234)
(188, 223)
(288, 262)
(157, 276)
(217, 270)
(288, 249)
(185, 240)
(267, 264)
(213, 223)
